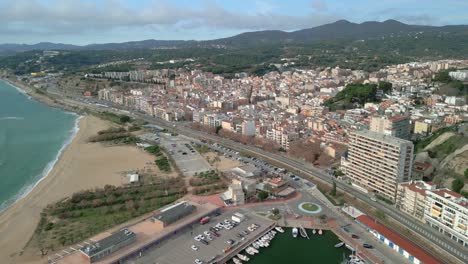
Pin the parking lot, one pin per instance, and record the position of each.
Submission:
(184, 154)
(179, 249)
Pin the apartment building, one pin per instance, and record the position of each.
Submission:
(283, 138)
(397, 126)
(447, 211)
(411, 198)
(378, 162)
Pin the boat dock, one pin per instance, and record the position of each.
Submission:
(243, 245)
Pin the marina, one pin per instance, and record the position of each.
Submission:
(281, 248)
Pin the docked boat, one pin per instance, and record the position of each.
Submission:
(279, 229)
(243, 257)
(303, 232)
(320, 232)
(249, 251)
(236, 261)
(339, 245)
(353, 259)
(255, 251)
(314, 231)
(255, 245)
(294, 232)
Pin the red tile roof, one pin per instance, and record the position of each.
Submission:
(408, 246)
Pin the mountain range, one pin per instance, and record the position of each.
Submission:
(341, 29)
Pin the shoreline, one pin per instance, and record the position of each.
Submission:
(24, 191)
(79, 165)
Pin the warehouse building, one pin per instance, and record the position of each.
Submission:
(173, 213)
(108, 245)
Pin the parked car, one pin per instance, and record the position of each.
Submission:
(355, 236)
(195, 248)
(197, 261)
(367, 245)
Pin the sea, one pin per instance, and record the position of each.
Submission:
(284, 248)
(32, 137)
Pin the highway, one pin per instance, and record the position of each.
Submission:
(429, 233)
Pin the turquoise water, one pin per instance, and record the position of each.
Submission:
(286, 249)
(31, 137)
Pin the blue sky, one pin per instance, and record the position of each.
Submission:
(100, 21)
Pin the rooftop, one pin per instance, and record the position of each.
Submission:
(408, 246)
(452, 196)
(173, 212)
(382, 137)
(108, 242)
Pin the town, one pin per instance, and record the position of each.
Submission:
(395, 138)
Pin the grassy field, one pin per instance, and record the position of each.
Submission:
(90, 212)
(448, 147)
(206, 183)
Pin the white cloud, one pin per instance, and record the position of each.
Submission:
(65, 17)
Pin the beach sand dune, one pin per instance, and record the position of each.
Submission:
(82, 166)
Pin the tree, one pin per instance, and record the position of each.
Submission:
(262, 195)
(457, 185)
(333, 191)
(124, 119)
(275, 211)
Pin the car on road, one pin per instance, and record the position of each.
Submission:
(355, 236)
(195, 248)
(367, 245)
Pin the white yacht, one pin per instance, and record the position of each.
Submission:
(279, 229)
(295, 232)
(243, 257)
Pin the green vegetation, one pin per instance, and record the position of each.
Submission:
(205, 178)
(87, 213)
(163, 164)
(155, 150)
(117, 135)
(262, 195)
(125, 67)
(380, 215)
(118, 119)
(448, 147)
(383, 199)
(422, 143)
(356, 93)
(333, 191)
(124, 119)
(457, 185)
(202, 149)
(444, 77)
(310, 207)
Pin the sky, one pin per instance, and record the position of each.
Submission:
(102, 21)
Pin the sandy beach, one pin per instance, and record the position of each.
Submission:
(82, 166)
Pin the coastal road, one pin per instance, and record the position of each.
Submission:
(429, 233)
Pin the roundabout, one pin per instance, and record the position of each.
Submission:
(310, 208)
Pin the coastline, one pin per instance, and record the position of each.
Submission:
(23, 192)
(78, 166)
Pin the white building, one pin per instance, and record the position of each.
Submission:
(378, 162)
(447, 211)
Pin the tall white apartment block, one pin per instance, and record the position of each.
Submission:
(447, 211)
(378, 162)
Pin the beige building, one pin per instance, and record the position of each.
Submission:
(447, 211)
(411, 198)
(378, 162)
(235, 194)
(422, 128)
(397, 126)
